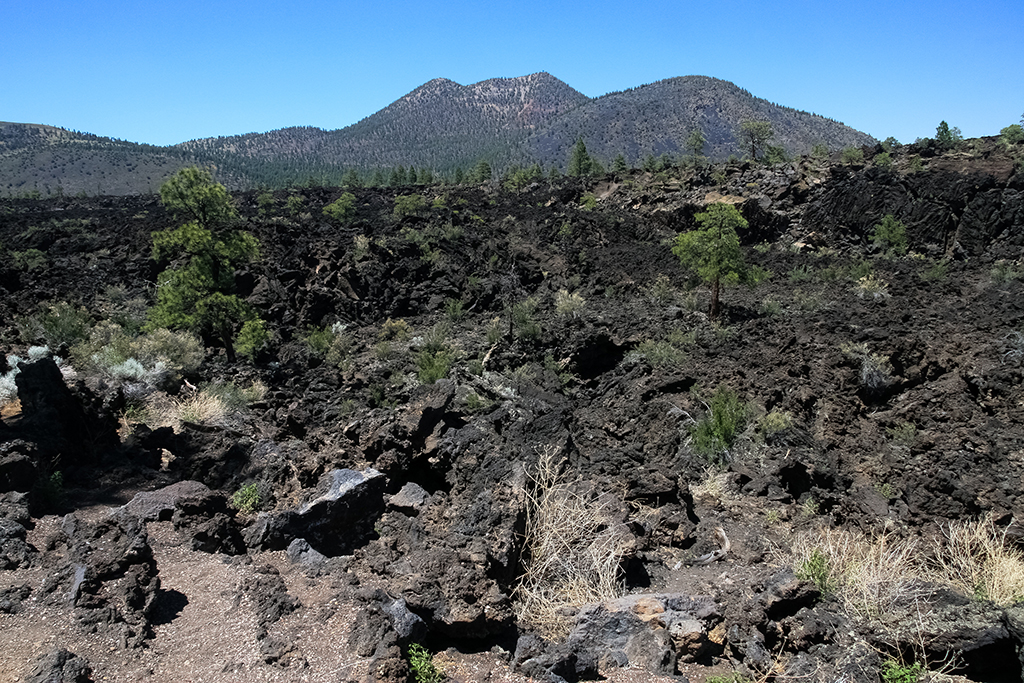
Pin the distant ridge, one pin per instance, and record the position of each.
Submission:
(441, 126)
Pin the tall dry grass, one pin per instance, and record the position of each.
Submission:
(883, 575)
(869, 576)
(574, 551)
(975, 558)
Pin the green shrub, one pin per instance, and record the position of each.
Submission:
(903, 435)
(421, 662)
(409, 205)
(817, 570)
(62, 323)
(734, 677)
(861, 269)
(820, 152)
(453, 310)
(775, 154)
(948, 138)
(28, 260)
(476, 404)
(48, 491)
(432, 365)
(1012, 135)
(770, 307)
(252, 338)
(383, 350)
(318, 340)
(801, 273)
(891, 236)
(661, 291)
(524, 320)
(265, 202)
(588, 202)
(936, 272)
(294, 204)
(246, 499)
(852, 155)
(883, 160)
(715, 434)
(342, 208)
(894, 671)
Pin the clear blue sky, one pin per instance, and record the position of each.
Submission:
(166, 72)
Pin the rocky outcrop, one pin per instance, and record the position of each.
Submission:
(112, 576)
(337, 518)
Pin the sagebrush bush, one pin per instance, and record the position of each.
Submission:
(875, 369)
(153, 359)
(395, 330)
(1004, 272)
(871, 287)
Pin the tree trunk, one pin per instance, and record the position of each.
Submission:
(225, 335)
(714, 299)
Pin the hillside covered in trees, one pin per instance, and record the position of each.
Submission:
(442, 129)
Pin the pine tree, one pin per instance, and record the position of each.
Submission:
(197, 290)
(755, 134)
(713, 250)
(580, 163)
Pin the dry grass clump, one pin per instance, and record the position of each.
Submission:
(203, 408)
(873, 577)
(213, 405)
(974, 558)
(569, 305)
(574, 551)
(869, 576)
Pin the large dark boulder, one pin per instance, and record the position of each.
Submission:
(337, 518)
(114, 580)
(55, 419)
(60, 666)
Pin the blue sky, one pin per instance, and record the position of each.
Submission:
(167, 72)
